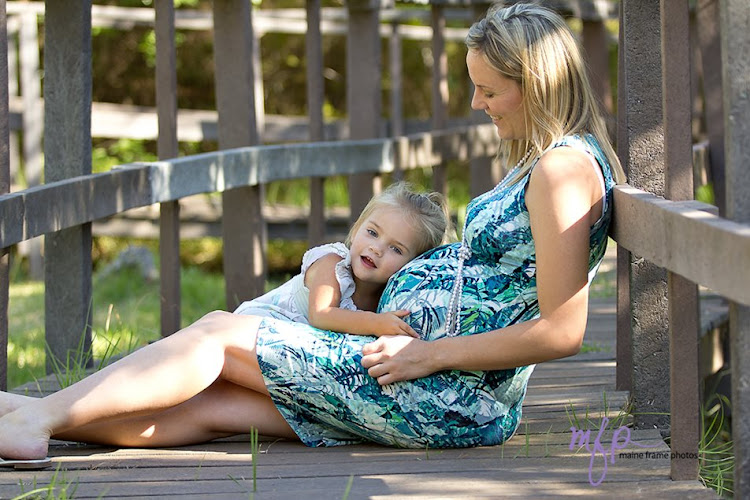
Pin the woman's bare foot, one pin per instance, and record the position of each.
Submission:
(22, 437)
(10, 402)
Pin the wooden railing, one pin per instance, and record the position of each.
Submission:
(78, 201)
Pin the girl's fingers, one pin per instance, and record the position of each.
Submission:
(410, 331)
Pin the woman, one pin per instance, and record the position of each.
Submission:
(512, 294)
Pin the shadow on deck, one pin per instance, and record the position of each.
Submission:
(536, 462)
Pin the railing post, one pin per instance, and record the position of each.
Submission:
(243, 227)
(707, 13)
(363, 101)
(167, 147)
(67, 153)
(640, 144)
(4, 188)
(484, 173)
(684, 320)
(396, 73)
(316, 227)
(624, 331)
(32, 123)
(735, 59)
(439, 89)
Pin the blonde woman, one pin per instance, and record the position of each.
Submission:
(512, 293)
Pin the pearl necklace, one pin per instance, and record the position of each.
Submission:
(453, 318)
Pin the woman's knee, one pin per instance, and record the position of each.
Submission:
(230, 329)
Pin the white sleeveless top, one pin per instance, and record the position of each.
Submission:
(291, 300)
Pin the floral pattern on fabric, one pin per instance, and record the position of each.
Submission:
(318, 384)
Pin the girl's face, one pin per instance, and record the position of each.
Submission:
(382, 245)
(498, 96)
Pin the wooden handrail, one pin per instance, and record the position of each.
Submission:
(79, 200)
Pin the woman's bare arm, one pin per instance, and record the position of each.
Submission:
(564, 200)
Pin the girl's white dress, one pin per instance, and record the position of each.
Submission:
(291, 300)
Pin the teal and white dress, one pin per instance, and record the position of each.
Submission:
(318, 384)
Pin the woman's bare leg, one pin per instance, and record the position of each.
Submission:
(10, 402)
(223, 409)
(154, 378)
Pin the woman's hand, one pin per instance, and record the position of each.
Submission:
(390, 323)
(394, 358)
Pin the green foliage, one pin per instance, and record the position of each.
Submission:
(59, 488)
(109, 153)
(716, 449)
(125, 315)
(705, 193)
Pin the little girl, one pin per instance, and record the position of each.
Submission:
(341, 283)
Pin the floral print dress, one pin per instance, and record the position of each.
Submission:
(318, 384)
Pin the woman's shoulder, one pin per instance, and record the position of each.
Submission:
(565, 171)
(562, 163)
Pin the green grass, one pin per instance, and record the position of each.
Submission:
(125, 315)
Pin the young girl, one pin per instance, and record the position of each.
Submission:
(340, 284)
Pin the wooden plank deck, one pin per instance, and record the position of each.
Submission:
(537, 462)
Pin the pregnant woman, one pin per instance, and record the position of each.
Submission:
(512, 293)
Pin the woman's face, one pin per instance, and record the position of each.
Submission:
(498, 96)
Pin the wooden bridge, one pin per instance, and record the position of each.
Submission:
(652, 332)
(537, 462)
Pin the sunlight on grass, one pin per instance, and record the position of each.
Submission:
(125, 316)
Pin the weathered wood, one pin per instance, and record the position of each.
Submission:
(67, 153)
(4, 188)
(363, 101)
(537, 462)
(624, 327)
(682, 295)
(682, 237)
(284, 20)
(707, 13)
(484, 173)
(33, 115)
(596, 47)
(735, 59)
(167, 147)
(11, 38)
(439, 89)
(92, 197)
(32, 123)
(396, 74)
(316, 126)
(78, 201)
(244, 231)
(644, 140)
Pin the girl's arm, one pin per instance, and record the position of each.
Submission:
(564, 199)
(325, 298)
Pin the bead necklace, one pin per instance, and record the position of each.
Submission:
(453, 319)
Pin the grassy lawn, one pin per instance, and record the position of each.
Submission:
(125, 310)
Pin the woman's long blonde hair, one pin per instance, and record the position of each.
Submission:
(533, 46)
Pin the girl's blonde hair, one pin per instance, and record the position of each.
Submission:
(426, 212)
(533, 46)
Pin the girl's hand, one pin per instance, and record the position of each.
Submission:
(390, 323)
(392, 359)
